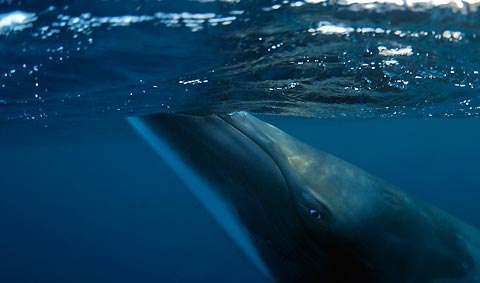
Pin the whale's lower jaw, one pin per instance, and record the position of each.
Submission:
(205, 193)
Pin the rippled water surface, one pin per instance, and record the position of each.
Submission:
(68, 60)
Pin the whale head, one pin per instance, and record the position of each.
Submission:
(306, 216)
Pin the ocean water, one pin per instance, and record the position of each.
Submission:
(391, 86)
(83, 207)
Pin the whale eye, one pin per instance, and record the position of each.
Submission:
(314, 210)
(319, 216)
(315, 214)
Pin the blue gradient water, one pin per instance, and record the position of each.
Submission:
(79, 207)
(391, 87)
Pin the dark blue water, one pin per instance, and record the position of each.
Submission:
(77, 206)
(391, 87)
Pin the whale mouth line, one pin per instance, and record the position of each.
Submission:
(262, 147)
(289, 189)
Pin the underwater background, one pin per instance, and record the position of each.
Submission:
(390, 86)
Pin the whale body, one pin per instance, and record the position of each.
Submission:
(303, 215)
